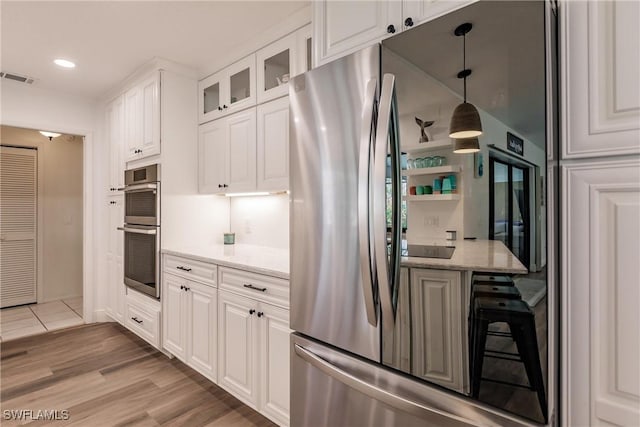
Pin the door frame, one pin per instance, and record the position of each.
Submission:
(533, 181)
(88, 212)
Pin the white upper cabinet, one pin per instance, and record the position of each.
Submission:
(142, 118)
(241, 151)
(415, 12)
(227, 154)
(343, 27)
(304, 53)
(600, 65)
(212, 157)
(228, 91)
(273, 146)
(276, 64)
(115, 136)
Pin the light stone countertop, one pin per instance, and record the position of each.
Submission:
(257, 259)
(475, 255)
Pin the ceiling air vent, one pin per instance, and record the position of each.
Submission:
(17, 77)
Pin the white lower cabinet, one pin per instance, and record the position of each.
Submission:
(142, 316)
(253, 354)
(189, 323)
(438, 327)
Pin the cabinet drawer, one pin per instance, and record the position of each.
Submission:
(266, 288)
(144, 323)
(191, 269)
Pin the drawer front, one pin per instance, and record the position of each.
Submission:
(265, 288)
(144, 323)
(191, 269)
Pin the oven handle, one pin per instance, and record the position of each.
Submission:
(140, 187)
(138, 230)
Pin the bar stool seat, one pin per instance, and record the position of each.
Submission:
(491, 279)
(521, 320)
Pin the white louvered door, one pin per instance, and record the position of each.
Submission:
(18, 195)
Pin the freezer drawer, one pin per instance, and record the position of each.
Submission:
(332, 388)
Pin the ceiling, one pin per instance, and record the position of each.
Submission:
(109, 40)
(505, 51)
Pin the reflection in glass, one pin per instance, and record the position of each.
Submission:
(240, 87)
(276, 70)
(212, 98)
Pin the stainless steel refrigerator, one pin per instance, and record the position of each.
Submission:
(346, 240)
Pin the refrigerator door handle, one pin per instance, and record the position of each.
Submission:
(367, 131)
(388, 271)
(401, 403)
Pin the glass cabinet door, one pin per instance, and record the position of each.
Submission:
(211, 97)
(275, 67)
(241, 83)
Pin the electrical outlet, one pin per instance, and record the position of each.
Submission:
(431, 221)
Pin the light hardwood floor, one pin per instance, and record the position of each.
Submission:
(104, 375)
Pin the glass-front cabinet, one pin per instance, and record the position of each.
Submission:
(229, 90)
(281, 60)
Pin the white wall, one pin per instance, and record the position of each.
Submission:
(261, 220)
(187, 216)
(33, 107)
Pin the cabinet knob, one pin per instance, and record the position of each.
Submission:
(252, 311)
(219, 108)
(391, 29)
(224, 185)
(181, 287)
(408, 22)
(260, 314)
(219, 185)
(187, 289)
(224, 106)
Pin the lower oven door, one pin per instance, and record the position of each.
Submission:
(142, 258)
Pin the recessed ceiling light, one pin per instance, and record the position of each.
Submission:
(64, 63)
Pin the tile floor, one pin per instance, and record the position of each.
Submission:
(16, 322)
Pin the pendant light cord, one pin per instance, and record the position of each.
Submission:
(464, 63)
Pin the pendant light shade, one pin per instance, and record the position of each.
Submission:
(465, 121)
(466, 145)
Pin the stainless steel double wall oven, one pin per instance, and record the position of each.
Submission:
(142, 230)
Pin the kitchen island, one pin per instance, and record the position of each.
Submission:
(470, 255)
(430, 335)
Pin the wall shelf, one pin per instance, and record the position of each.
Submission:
(436, 144)
(437, 170)
(432, 197)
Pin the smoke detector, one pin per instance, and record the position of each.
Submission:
(17, 77)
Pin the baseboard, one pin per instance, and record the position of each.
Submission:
(100, 316)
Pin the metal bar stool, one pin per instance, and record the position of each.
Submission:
(501, 279)
(521, 320)
(489, 291)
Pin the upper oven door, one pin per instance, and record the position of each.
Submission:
(142, 204)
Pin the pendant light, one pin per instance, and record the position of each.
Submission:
(466, 145)
(465, 122)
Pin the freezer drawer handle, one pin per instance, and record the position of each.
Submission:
(255, 288)
(183, 268)
(135, 319)
(395, 401)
